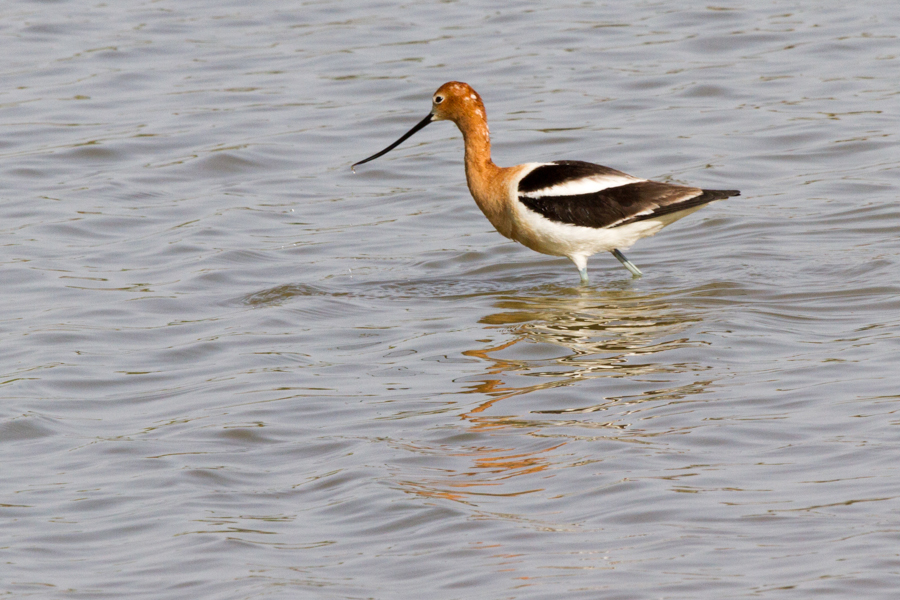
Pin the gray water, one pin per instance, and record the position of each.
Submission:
(233, 369)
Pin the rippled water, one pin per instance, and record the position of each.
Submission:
(233, 369)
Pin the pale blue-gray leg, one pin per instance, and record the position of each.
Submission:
(627, 263)
(581, 265)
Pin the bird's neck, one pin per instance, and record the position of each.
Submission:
(479, 166)
(487, 181)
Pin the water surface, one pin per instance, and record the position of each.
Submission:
(233, 369)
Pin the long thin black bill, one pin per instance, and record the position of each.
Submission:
(406, 135)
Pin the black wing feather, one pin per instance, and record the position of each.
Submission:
(613, 206)
(562, 171)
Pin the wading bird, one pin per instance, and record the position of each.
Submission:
(563, 208)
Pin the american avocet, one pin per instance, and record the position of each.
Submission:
(562, 208)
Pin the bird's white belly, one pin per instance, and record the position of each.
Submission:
(562, 239)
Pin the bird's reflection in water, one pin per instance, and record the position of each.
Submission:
(543, 390)
(581, 335)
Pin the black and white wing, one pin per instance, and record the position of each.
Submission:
(589, 195)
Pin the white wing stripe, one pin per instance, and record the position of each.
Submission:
(584, 185)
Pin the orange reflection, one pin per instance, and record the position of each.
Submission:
(551, 341)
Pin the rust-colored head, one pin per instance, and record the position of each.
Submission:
(454, 101)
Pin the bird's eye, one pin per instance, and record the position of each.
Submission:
(438, 99)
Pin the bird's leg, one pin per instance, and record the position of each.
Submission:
(626, 263)
(580, 264)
